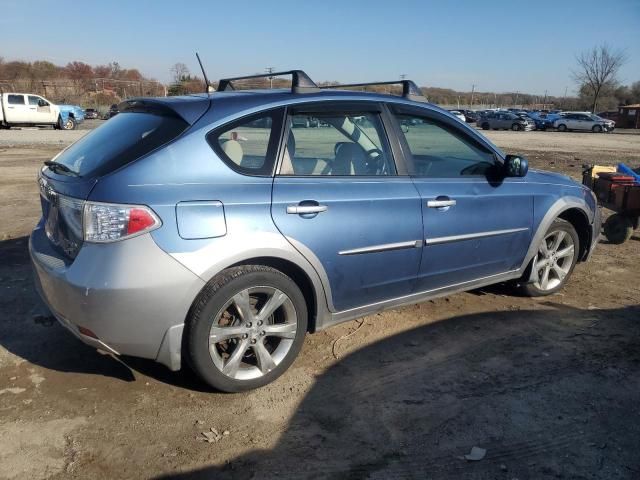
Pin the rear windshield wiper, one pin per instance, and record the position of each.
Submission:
(60, 166)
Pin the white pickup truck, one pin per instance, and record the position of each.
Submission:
(25, 109)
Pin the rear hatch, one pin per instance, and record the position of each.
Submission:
(143, 126)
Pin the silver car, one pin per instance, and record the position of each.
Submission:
(506, 121)
(584, 121)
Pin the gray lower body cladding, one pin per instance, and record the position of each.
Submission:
(129, 294)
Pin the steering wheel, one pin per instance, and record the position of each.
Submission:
(476, 169)
(373, 162)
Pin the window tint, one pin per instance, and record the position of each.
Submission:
(440, 151)
(15, 99)
(248, 146)
(337, 144)
(124, 138)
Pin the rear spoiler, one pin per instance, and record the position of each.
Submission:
(189, 109)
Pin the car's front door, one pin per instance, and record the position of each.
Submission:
(477, 223)
(339, 200)
(40, 110)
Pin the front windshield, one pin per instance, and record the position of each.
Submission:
(595, 117)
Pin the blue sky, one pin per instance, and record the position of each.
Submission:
(497, 45)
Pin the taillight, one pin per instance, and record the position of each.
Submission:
(105, 222)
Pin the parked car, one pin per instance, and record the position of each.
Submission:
(583, 121)
(540, 120)
(180, 231)
(506, 121)
(306, 122)
(91, 113)
(458, 114)
(469, 115)
(24, 109)
(113, 110)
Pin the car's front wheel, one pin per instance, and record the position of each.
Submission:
(70, 124)
(516, 127)
(485, 126)
(246, 328)
(597, 129)
(557, 256)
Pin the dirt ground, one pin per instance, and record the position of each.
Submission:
(550, 387)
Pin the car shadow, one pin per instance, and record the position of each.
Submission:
(26, 332)
(43, 343)
(548, 393)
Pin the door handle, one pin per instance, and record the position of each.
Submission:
(306, 209)
(441, 202)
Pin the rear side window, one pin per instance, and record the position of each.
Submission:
(249, 145)
(123, 139)
(15, 99)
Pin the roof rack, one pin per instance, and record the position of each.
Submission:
(300, 81)
(410, 90)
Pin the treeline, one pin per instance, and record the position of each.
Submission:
(77, 82)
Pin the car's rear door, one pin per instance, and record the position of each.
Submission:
(477, 224)
(340, 199)
(16, 109)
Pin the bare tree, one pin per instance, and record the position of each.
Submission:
(597, 69)
(179, 72)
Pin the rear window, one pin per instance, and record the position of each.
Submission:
(121, 140)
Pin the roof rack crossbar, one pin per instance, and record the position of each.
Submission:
(410, 90)
(300, 81)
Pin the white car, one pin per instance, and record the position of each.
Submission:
(25, 109)
(458, 114)
(583, 121)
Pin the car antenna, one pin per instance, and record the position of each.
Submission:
(204, 74)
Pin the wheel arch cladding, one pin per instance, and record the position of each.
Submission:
(299, 277)
(580, 222)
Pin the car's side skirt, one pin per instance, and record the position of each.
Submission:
(346, 315)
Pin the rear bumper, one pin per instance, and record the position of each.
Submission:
(132, 295)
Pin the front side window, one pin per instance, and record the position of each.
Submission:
(340, 144)
(248, 146)
(440, 151)
(15, 99)
(33, 100)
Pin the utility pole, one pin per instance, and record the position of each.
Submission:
(403, 76)
(269, 70)
(544, 102)
(516, 104)
(473, 89)
(564, 99)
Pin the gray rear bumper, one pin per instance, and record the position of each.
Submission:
(132, 295)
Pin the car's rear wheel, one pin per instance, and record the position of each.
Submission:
(485, 126)
(562, 127)
(596, 129)
(557, 256)
(246, 328)
(516, 127)
(618, 228)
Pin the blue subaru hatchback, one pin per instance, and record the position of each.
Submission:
(218, 229)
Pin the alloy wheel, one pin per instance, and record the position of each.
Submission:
(252, 333)
(554, 260)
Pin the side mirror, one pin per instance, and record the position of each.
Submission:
(404, 128)
(516, 166)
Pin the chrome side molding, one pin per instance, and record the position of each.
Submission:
(470, 236)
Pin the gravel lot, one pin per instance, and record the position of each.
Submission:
(550, 387)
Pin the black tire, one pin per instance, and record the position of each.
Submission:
(531, 289)
(516, 127)
(596, 129)
(618, 228)
(485, 126)
(209, 303)
(71, 124)
(562, 127)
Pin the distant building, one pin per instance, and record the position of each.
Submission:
(628, 116)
